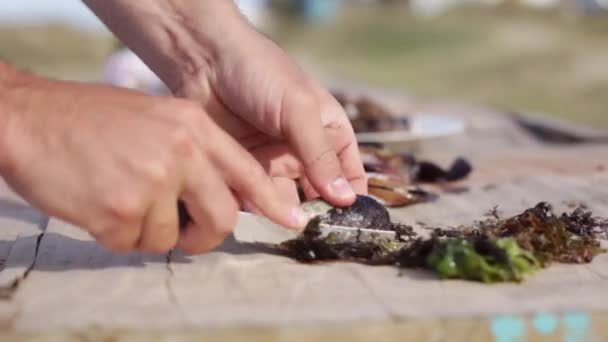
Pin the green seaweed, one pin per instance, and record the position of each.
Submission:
(492, 250)
(499, 260)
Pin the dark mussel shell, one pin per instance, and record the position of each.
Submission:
(429, 172)
(366, 212)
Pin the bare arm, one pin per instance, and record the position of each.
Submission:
(207, 51)
(176, 39)
(115, 162)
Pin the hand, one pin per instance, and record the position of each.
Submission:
(293, 125)
(115, 162)
(206, 50)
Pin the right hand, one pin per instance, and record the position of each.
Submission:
(115, 162)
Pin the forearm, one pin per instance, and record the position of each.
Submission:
(11, 81)
(177, 39)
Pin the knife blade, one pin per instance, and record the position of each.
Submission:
(256, 228)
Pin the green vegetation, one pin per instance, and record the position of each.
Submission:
(55, 50)
(530, 61)
(539, 62)
(491, 250)
(459, 258)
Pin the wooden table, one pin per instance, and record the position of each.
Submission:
(58, 283)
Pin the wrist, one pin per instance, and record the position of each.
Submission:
(180, 39)
(202, 40)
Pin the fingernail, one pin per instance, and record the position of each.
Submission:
(341, 188)
(299, 217)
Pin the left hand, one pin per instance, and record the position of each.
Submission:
(293, 126)
(206, 50)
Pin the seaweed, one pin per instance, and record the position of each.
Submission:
(569, 238)
(489, 261)
(491, 250)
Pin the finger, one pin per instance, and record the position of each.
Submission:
(212, 207)
(160, 228)
(309, 190)
(278, 160)
(350, 159)
(118, 237)
(234, 125)
(287, 189)
(247, 177)
(342, 136)
(302, 126)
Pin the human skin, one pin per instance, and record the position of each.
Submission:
(115, 162)
(208, 52)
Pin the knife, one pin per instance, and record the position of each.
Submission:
(256, 228)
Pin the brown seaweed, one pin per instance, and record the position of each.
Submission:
(490, 250)
(569, 238)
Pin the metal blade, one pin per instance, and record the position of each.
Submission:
(343, 233)
(255, 228)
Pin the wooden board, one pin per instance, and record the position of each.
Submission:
(20, 229)
(91, 286)
(73, 284)
(567, 326)
(239, 285)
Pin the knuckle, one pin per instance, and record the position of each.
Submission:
(256, 175)
(333, 116)
(299, 100)
(124, 208)
(157, 173)
(326, 157)
(302, 97)
(182, 141)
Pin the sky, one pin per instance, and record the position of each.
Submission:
(67, 11)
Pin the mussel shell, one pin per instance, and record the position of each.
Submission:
(366, 212)
(392, 191)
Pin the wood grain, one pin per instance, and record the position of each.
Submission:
(73, 284)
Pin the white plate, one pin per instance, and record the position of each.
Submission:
(424, 126)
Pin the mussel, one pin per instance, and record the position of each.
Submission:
(394, 191)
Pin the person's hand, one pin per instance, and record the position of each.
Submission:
(205, 50)
(115, 162)
(258, 94)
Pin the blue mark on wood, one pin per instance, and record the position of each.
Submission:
(506, 328)
(545, 323)
(576, 326)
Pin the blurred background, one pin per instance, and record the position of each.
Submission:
(547, 56)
